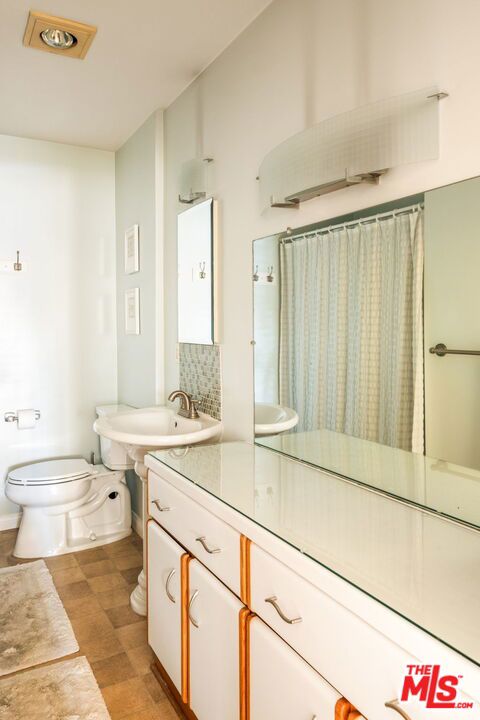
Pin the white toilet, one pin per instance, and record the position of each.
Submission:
(70, 505)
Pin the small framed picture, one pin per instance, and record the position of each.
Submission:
(132, 311)
(131, 250)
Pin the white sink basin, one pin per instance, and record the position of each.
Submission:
(156, 427)
(273, 419)
(140, 431)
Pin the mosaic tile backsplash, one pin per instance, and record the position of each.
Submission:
(201, 377)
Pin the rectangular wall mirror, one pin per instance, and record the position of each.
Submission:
(352, 317)
(196, 274)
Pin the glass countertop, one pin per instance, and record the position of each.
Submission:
(424, 567)
(443, 487)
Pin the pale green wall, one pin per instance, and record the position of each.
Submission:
(135, 188)
(135, 204)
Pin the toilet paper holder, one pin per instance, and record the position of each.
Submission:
(11, 417)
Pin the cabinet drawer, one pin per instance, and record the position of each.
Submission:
(213, 542)
(360, 662)
(282, 685)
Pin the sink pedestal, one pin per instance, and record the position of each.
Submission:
(145, 429)
(138, 598)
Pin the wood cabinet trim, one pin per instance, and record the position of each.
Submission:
(171, 691)
(344, 710)
(244, 620)
(185, 627)
(245, 544)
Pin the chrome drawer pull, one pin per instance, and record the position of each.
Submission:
(160, 507)
(203, 541)
(167, 590)
(395, 705)
(291, 621)
(192, 600)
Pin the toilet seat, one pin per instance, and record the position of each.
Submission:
(51, 472)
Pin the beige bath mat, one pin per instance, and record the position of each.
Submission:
(34, 626)
(63, 691)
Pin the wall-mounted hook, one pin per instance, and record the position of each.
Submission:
(256, 276)
(17, 266)
(202, 274)
(194, 196)
(270, 277)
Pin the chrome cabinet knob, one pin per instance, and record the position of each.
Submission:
(192, 600)
(167, 583)
(203, 541)
(395, 705)
(273, 601)
(160, 507)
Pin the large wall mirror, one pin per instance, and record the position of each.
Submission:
(196, 274)
(367, 340)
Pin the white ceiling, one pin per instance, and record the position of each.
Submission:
(144, 54)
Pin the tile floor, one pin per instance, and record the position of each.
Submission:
(95, 587)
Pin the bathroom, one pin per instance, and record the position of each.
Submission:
(203, 95)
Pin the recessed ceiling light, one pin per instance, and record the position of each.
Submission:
(56, 38)
(58, 35)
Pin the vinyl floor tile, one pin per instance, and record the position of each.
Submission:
(95, 586)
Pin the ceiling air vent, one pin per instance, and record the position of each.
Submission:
(58, 35)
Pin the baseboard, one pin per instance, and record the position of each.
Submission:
(10, 521)
(137, 524)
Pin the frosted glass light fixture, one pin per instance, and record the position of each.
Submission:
(193, 180)
(354, 147)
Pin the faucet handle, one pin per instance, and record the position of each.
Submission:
(194, 402)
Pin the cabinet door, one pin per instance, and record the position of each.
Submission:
(214, 647)
(282, 685)
(164, 600)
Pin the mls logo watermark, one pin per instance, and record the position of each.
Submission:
(428, 685)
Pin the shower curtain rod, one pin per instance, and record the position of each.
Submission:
(353, 223)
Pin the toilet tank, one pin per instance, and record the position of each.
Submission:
(114, 456)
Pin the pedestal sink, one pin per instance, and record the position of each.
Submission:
(141, 431)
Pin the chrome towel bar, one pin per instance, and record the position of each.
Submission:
(441, 350)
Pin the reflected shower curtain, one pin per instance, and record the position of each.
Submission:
(351, 329)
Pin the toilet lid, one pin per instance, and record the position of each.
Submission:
(51, 471)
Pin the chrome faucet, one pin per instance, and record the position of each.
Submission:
(188, 407)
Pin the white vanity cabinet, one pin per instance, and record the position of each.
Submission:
(282, 685)
(262, 632)
(334, 640)
(164, 600)
(214, 647)
(205, 536)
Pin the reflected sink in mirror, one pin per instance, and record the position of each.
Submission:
(273, 419)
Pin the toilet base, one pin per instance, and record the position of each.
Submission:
(23, 550)
(103, 516)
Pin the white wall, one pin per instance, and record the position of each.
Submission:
(266, 320)
(300, 62)
(57, 317)
(451, 312)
